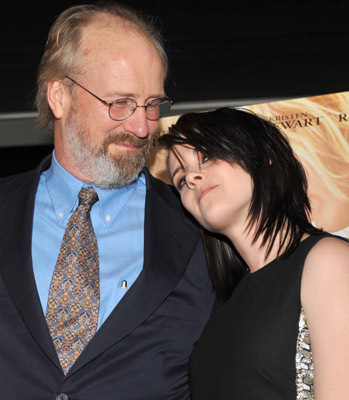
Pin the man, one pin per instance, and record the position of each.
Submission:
(116, 316)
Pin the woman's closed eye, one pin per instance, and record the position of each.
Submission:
(180, 183)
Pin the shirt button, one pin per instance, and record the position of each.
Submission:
(62, 396)
(107, 218)
(60, 215)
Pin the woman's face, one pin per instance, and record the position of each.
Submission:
(216, 193)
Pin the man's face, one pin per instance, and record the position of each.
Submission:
(115, 64)
(104, 168)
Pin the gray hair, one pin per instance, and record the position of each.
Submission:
(64, 40)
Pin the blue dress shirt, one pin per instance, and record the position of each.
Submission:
(118, 222)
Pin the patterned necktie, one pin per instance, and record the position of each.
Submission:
(73, 300)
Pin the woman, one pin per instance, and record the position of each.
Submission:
(284, 281)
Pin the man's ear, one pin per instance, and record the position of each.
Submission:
(57, 97)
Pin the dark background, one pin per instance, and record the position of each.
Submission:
(222, 50)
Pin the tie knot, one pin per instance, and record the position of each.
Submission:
(87, 197)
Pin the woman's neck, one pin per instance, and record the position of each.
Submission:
(254, 253)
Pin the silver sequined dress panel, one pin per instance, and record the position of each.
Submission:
(304, 362)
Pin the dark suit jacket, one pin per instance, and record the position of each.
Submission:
(142, 350)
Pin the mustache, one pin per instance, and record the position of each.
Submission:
(128, 138)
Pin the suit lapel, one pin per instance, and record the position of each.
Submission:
(16, 216)
(166, 255)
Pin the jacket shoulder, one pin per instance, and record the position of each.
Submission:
(168, 196)
(10, 185)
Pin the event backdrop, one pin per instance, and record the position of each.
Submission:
(318, 130)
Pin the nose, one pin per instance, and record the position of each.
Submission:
(137, 123)
(193, 179)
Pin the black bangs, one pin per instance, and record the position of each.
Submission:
(211, 133)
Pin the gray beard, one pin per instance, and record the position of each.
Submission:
(103, 170)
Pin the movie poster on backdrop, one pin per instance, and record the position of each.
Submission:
(318, 130)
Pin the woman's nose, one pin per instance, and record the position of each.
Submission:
(193, 178)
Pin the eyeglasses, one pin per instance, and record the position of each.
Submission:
(123, 108)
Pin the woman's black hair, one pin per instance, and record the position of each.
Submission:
(279, 204)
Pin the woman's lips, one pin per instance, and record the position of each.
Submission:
(205, 190)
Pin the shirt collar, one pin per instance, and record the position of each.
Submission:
(63, 189)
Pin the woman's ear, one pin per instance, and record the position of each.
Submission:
(57, 97)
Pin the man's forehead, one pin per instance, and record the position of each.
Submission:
(122, 52)
(115, 38)
(111, 25)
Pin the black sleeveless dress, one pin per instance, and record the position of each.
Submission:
(248, 348)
